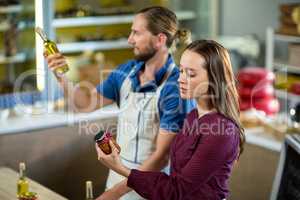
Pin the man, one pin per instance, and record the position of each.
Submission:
(147, 94)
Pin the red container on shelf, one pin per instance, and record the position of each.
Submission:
(257, 92)
(295, 88)
(245, 104)
(251, 76)
(270, 106)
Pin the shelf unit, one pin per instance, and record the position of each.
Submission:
(285, 67)
(286, 38)
(21, 26)
(282, 66)
(9, 62)
(109, 20)
(10, 9)
(77, 47)
(18, 58)
(286, 95)
(272, 63)
(188, 14)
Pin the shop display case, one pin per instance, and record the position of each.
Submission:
(14, 27)
(81, 22)
(287, 73)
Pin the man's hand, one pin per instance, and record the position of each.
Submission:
(109, 195)
(78, 99)
(55, 61)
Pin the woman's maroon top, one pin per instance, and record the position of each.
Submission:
(202, 156)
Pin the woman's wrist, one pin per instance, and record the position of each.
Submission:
(124, 171)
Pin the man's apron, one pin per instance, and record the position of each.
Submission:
(138, 126)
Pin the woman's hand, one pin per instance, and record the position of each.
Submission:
(109, 195)
(112, 160)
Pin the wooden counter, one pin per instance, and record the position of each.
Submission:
(8, 187)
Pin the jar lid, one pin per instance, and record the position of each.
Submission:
(99, 136)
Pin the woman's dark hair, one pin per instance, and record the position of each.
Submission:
(161, 20)
(222, 84)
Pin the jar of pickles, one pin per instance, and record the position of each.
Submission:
(102, 139)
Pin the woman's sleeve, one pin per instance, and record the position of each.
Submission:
(212, 152)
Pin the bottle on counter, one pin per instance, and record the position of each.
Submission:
(22, 185)
(89, 190)
(102, 139)
(51, 48)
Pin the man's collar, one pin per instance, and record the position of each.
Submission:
(159, 74)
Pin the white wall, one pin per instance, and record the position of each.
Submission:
(241, 17)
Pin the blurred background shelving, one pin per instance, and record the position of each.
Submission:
(79, 26)
(102, 27)
(16, 44)
(283, 58)
(101, 21)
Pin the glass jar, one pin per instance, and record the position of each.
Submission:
(102, 139)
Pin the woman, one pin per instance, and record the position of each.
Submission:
(211, 140)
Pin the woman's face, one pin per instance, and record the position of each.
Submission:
(193, 79)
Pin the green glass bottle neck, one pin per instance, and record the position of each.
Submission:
(47, 41)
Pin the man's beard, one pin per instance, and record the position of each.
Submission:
(145, 56)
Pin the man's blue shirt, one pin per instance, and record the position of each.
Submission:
(172, 109)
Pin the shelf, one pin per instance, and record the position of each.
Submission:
(21, 26)
(19, 58)
(108, 20)
(286, 95)
(186, 15)
(88, 21)
(287, 38)
(77, 47)
(4, 26)
(10, 9)
(284, 67)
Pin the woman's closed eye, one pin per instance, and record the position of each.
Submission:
(189, 73)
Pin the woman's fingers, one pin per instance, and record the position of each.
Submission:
(113, 147)
(100, 153)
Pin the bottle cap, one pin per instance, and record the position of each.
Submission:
(41, 33)
(22, 166)
(88, 184)
(99, 136)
